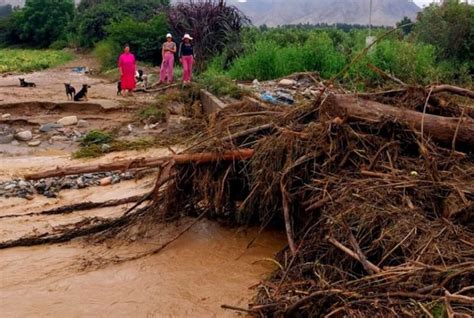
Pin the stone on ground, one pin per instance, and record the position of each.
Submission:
(25, 135)
(68, 121)
(287, 82)
(50, 126)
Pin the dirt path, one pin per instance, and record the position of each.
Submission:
(207, 267)
(50, 86)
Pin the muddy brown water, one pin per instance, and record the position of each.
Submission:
(207, 267)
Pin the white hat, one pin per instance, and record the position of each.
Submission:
(187, 36)
(169, 35)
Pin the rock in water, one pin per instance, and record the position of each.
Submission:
(25, 135)
(68, 121)
(50, 126)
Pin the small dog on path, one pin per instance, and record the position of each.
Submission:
(70, 91)
(24, 83)
(119, 88)
(82, 94)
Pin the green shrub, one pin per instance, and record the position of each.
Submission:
(59, 45)
(268, 60)
(145, 38)
(41, 22)
(411, 62)
(319, 54)
(219, 84)
(17, 60)
(259, 63)
(153, 113)
(107, 52)
(96, 137)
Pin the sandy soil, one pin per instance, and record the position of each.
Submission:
(50, 86)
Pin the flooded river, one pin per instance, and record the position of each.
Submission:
(205, 268)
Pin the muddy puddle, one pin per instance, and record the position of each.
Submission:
(207, 267)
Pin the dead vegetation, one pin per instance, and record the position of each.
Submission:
(377, 200)
(378, 211)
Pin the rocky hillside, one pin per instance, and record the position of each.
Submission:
(278, 12)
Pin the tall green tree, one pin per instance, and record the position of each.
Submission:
(94, 16)
(41, 22)
(407, 25)
(450, 28)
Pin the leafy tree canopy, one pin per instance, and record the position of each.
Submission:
(94, 16)
(41, 22)
(407, 25)
(450, 28)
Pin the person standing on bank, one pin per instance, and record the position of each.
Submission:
(167, 65)
(186, 57)
(127, 68)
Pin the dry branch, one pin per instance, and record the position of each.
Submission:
(453, 90)
(122, 165)
(385, 75)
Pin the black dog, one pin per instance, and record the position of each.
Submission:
(139, 76)
(24, 83)
(119, 88)
(82, 94)
(70, 91)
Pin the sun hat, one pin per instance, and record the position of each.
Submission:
(187, 36)
(169, 35)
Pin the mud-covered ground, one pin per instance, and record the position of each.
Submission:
(207, 267)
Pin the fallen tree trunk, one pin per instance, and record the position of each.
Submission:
(441, 129)
(196, 158)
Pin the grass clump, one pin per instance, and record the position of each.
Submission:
(94, 144)
(153, 113)
(96, 137)
(220, 84)
(20, 60)
(94, 150)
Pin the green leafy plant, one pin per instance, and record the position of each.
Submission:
(19, 60)
(153, 113)
(96, 137)
(42, 22)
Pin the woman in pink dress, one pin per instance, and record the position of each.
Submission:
(167, 66)
(127, 69)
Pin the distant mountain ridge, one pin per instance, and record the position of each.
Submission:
(279, 12)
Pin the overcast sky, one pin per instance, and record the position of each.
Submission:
(423, 2)
(418, 2)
